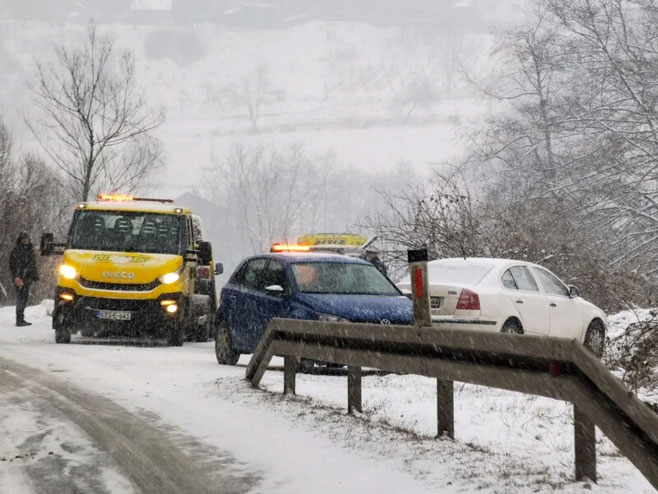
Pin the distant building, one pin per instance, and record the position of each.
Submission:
(468, 15)
(151, 11)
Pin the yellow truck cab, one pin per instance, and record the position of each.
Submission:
(133, 268)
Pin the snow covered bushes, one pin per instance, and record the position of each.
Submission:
(633, 350)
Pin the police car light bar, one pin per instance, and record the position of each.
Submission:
(289, 248)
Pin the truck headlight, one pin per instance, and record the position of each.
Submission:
(331, 318)
(169, 278)
(67, 271)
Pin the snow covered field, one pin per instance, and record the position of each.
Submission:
(505, 442)
(349, 88)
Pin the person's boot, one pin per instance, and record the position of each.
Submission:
(22, 322)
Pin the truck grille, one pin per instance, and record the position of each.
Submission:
(94, 303)
(124, 287)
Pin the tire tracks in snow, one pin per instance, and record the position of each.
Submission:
(144, 453)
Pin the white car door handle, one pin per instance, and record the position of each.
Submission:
(553, 304)
(519, 301)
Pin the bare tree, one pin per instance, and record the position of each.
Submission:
(420, 91)
(441, 217)
(268, 192)
(31, 201)
(254, 91)
(93, 120)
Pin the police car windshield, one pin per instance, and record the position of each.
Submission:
(342, 278)
(122, 231)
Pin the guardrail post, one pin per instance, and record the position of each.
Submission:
(289, 374)
(354, 389)
(585, 446)
(445, 408)
(445, 401)
(419, 287)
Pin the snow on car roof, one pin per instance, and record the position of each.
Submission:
(492, 261)
(487, 263)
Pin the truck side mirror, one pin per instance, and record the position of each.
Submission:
(46, 245)
(219, 268)
(205, 253)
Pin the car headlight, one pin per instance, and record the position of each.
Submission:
(169, 278)
(67, 271)
(331, 318)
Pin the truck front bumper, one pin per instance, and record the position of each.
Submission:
(104, 316)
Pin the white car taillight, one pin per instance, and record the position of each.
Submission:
(468, 300)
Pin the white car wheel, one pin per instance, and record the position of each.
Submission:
(512, 327)
(595, 338)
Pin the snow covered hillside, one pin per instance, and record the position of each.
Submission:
(375, 96)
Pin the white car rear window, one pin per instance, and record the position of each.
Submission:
(460, 273)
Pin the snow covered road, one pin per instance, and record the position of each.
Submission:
(224, 437)
(147, 457)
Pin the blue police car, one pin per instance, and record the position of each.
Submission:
(325, 287)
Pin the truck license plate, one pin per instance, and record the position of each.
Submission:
(114, 315)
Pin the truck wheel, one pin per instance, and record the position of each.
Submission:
(175, 334)
(223, 351)
(203, 331)
(62, 333)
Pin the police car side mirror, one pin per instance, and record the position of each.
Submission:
(219, 268)
(274, 289)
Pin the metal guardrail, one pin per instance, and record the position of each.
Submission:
(556, 368)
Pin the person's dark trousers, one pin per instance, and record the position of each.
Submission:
(22, 294)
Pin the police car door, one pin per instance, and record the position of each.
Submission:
(271, 299)
(244, 316)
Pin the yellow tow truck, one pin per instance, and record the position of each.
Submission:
(133, 268)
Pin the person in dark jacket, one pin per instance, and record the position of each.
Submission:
(23, 267)
(372, 257)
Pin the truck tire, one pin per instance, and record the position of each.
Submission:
(62, 332)
(62, 335)
(175, 334)
(223, 352)
(203, 330)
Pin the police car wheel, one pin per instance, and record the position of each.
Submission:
(306, 366)
(223, 351)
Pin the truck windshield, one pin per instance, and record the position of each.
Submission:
(342, 278)
(123, 231)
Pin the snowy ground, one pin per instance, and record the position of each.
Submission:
(505, 442)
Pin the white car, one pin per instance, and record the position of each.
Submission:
(510, 297)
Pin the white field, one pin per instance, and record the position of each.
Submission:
(329, 86)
